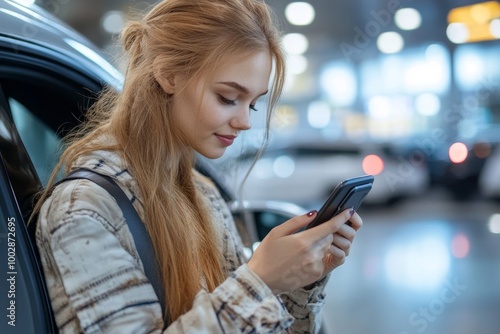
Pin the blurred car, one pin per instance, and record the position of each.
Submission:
(305, 172)
(458, 165)
(489, 177)
(49, 75)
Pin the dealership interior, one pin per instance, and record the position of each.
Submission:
(408, 91)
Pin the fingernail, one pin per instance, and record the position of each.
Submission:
(351, 212)
(310, 213)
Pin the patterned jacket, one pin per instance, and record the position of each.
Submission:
(97, 283)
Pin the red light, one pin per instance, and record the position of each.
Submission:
(373, 164)
(482, 150)
(458, 152)
(460, 246)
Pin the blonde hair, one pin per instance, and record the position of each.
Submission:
(188, 37)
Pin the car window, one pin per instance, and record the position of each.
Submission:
(41, 142)
(46, 102)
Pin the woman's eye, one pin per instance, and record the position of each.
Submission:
(227, 101)
(252, 107)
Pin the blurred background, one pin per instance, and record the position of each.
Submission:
(408, 91)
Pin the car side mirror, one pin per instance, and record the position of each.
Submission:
(254, 219)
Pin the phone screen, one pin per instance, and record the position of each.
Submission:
(349, 193)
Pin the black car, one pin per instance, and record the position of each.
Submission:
(49, 76)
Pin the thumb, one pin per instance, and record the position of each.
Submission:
(295, 224)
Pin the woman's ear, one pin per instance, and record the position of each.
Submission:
(166, 81)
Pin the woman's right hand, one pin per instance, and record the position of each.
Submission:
(287, 260)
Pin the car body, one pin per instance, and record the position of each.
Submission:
(489, 177)
(459, 166)
(49, 75)
(305, 172)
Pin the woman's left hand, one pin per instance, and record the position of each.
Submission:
(341, 245)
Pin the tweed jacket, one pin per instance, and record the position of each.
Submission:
(96, 280)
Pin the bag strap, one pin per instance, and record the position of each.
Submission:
(136, 226)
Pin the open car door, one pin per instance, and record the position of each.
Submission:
(24, 299)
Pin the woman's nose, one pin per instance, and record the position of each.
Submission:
(241, 121)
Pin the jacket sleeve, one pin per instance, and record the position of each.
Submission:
(305, 306)
(97, 284)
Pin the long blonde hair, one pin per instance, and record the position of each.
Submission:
(188, 37)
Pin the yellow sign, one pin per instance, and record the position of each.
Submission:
(481, 20)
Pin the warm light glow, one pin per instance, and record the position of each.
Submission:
(300, 13)
(482, 150)
(458, 153)
(373, 164)
(285, 117)
(480, 13)
(476, 20)
(460, 246)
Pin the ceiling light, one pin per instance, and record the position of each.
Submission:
(297, 64)
(113, 21)
(481, 13)
(495, 28)
(427, 104)
(390, 42)
(295, 43)
(318, 114)
(408, 19)
(457, 33)
(338, 81)
(300, 13)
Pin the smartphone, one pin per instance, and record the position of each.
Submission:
(349, 193)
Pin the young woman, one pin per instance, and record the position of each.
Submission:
(196, 70)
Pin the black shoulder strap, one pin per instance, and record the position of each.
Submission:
(136, 226)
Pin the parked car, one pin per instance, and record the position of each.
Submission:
(305, 172)
(489, 177)
(458, 165)
(49, 75)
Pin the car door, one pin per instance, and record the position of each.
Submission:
(24, 300)
(43, 94)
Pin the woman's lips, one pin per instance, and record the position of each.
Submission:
(226, 140)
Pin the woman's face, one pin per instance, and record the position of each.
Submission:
(211, 112)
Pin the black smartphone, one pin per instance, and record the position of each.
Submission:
(349, 193)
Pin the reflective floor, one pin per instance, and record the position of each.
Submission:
(424, 266)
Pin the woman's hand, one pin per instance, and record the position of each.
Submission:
(286, 260)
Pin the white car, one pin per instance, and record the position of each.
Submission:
(306, 172)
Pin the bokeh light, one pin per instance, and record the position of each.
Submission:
(300, 13)
(458, 152)
(373, 164)
(408, 18)
(460, 246)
